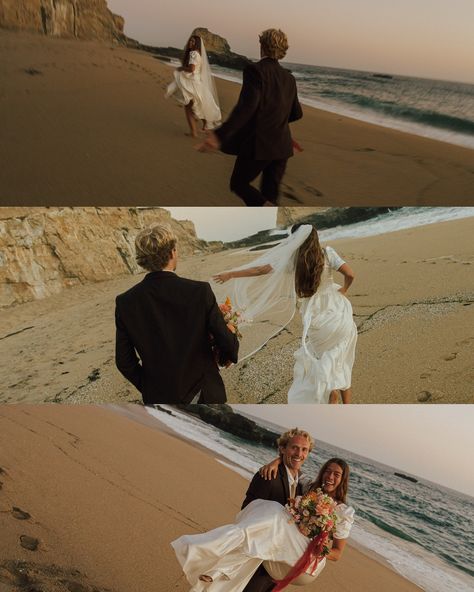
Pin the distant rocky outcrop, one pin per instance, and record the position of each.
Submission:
(217, 48)
(327, 217)
(81, 19)
(45, 250)
(224, 417)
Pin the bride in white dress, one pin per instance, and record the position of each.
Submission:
(194, 87)
(300, 270)
(224, 559)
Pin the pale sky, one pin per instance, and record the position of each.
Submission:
(226, 223)
(434, 442)
(427, 38)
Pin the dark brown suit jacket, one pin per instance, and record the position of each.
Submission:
(258, 127)
(163, 344)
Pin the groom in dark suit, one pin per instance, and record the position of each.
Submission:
(164, 329)
(294, 447)
(257, 130)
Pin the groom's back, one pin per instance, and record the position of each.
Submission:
(165, 317)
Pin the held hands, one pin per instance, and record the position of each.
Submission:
(270, 470)
(210, 144)
(221, 278)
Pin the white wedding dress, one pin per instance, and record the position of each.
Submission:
(324, 361)
(262, 532)
(197, 87)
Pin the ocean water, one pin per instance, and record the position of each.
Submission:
(395, 220)
(391, 221)
(423, 530)
(431, 108)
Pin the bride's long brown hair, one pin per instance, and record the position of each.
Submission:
(187, 50)
(341, 491)
(309, 264)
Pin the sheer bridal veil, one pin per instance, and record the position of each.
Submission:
(267, 302)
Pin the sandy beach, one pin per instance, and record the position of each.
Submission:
(85, 123)
(413, 304)
(85, 487)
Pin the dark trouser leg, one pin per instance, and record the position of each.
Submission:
(271, 179)
(260, 582)
(245, 171)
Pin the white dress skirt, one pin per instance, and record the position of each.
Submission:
(189, 86)
(325, 359)
(262, 532)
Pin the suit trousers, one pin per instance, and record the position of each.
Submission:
(260, 582)
(247, 170)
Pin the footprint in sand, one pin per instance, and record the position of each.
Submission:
(424, 397)
(30, 543)
(314, 191)
(450, 357)
(20, 514)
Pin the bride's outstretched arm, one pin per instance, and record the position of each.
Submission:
(270, 470)
(348, 277)
(225, 276)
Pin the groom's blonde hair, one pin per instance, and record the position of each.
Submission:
(154, 246)
(274, 43)
(286, 437)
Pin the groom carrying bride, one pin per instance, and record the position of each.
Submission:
(164, 329)
(294, 447)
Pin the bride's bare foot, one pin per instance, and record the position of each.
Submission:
(205, 578)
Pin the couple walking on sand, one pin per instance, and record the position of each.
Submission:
(172, 335)
(257, 131)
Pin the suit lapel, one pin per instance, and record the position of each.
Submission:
(284, 479)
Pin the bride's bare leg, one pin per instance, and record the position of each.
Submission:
(347, 396)
(205, 578)
(188, 109)
(334, 397)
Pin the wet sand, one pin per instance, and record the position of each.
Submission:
(413, 303)
(102, 493)
(86, 124)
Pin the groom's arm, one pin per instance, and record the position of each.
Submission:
(126, 358)
(296, 110)
(226, 341)
(246, 107)
(259, 488)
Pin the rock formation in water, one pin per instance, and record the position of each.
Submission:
(81, 19)
(327, 217)
(45, 250)
(217, 48)
(224, 417)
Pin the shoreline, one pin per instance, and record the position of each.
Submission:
(124, 144)
(344, 111)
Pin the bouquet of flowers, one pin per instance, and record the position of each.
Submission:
(315, 516)
(231, 317)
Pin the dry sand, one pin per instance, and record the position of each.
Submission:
(413, 304)
(85, 123)
(103, 496)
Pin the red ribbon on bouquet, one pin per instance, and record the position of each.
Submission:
(313, 553)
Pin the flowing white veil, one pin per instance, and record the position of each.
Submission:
(210, 99)
(267, 302)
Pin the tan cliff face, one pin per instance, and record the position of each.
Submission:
(214, 43)
(81, 19)
(44, 250)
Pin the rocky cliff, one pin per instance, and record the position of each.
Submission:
(327, 217)
(82, 19)
(224, 417)
(44, 250)
(217, 48)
